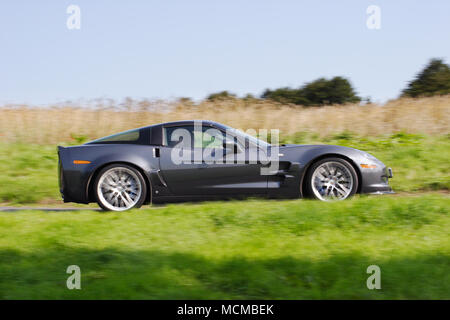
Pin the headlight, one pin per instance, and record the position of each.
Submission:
(369, 156)
(371, 162)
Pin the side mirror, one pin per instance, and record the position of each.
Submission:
(230, 146)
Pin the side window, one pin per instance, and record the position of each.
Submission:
(127, 136)
(178, 136)
(183, 136)
(212, 138)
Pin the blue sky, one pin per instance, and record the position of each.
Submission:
(169, 49)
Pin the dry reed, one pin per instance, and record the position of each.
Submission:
(52, 125)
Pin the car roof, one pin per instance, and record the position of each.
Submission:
(190, 122)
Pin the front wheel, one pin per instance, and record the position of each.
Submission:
(119, 187)
(331, 179)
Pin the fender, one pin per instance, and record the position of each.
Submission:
(312, 153)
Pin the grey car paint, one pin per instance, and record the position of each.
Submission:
(170, 182)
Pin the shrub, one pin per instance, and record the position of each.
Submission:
(337, 90)
(434, 79)
(223, 95)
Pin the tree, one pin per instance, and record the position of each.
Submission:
(434, 79)
(285, 95)
(337, 90)
(185, 101)
(249, 96)
(223, 95)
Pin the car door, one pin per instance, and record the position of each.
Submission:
(180, 176)
(201, 176)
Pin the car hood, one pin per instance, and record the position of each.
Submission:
(306, 152)
(303, 147)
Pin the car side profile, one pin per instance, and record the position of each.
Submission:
(205, 160)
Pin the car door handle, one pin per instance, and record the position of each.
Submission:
(156, 153)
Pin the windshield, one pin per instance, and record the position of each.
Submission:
(250, 138)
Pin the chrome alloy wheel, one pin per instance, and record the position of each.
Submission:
(332, 181)
(119, 189)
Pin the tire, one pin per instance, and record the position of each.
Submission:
(119, 187)
(331, 179)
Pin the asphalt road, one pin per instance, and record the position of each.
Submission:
(13, 209)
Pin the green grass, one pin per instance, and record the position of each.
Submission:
(295, 249)
(29, 172)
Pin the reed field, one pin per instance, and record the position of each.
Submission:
(74, 122)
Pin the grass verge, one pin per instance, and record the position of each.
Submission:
(296, 249)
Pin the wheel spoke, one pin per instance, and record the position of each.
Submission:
(121, 200)
(115, 177)
(111, 195)
(107, 187)
(341, 191)
(126, 199)
(110, 181)
(321, 176)
(343, 188)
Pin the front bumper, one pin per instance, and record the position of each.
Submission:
(389, 173)
(376, 181)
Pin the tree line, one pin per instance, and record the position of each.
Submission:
(433, 79)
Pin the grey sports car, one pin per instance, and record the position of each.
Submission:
(204, 160)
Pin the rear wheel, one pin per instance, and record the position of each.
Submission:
(119, 187)
(331, 179)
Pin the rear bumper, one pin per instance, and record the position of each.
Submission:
(60, 173)
(72, 181)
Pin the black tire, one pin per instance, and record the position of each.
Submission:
(134, 174)
(309, 192)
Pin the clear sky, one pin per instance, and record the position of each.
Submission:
(168, 49)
